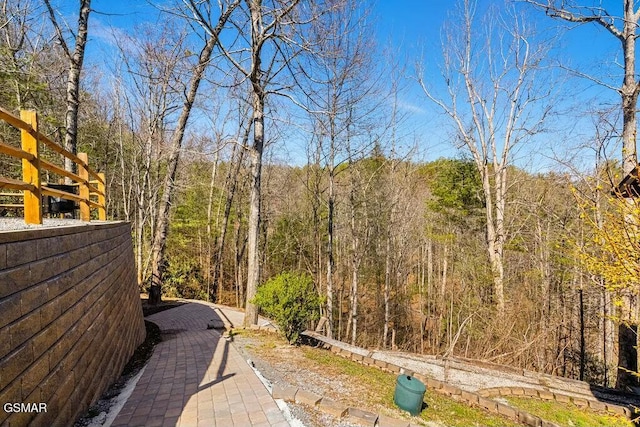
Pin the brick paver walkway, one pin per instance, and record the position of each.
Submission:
(196, 378)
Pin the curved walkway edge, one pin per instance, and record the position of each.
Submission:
(196, 378)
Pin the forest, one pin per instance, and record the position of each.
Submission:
(245, 139)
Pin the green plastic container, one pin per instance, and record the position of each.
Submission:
(409, 394)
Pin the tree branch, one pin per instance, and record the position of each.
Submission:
(603, 18)
(57, 29)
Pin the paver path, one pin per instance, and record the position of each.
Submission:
(196, 378)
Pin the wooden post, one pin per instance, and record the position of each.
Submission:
(102, 210)
(31, 170)
(85, 213)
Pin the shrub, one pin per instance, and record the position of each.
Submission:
(290, 299)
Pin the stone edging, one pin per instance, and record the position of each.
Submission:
(447, 389)
(482, 397)
(596, 405)
(337, 409)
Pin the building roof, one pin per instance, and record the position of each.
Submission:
(629, 186)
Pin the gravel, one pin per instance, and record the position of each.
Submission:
(14, 224)
(470, 379)
(310, 417)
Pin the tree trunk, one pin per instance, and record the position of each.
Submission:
(258, 94)
(139, 231)
(253, 269)
(208, 272)
(498, 261)
(240, 245)
(355, 262)
(443, 278)
(354, 303)
(495, 227)
(387, 289)
(142, 202)
(232, 182)
(162, 222)
(73, 85)
(630, 88)
(330, 260)
(73, 77)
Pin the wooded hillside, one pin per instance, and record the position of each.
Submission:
(250, 138)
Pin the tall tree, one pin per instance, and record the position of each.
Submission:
(21, 46)
(152, 94)
(76, 59)
(212, 32)
(259, 63)
(231, 183)
(495, 101)
(626, 30)
(335, 79)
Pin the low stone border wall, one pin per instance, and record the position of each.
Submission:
(533, 379)
(337, 409)
(539, 377)
(482, 398)
(596, 405)
(446, 389)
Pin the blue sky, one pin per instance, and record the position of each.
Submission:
(413, 29)
(415, 26)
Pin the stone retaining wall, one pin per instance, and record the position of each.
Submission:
(70, 318)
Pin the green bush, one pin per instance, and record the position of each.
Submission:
(291, 300)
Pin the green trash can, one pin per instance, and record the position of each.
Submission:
(409, 394)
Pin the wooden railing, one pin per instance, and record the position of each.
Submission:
(89, 183)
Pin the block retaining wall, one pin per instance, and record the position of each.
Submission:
(70, 318)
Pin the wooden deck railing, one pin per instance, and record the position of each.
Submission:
(89, 182)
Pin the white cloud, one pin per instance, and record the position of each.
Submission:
(105, 33)
(411, 107)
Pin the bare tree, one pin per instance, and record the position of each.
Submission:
(76, 59)
(152, 72)
(495, 103)
(262, 27)
(625, 29)
(162, 224)
(231, 183)
(22, 43)
(336, 84)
